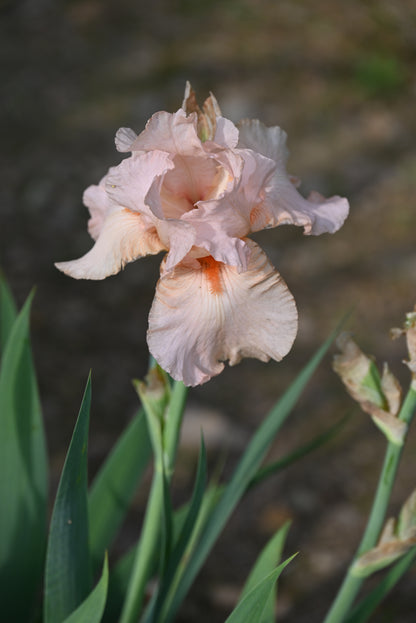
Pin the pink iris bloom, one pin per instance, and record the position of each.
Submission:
(195, 186)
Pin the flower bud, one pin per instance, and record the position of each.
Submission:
(395, 541)
(409, 330)
(380, 397)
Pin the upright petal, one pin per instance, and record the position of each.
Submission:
(130, 182)
(203, 316)
(270, 142)
(175, 133)
(226, 134)
(124, 139)
(124, 237)
(221, 222)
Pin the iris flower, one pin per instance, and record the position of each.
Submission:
(195, 186)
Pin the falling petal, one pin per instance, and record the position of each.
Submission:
(202, 317)
(124, 237)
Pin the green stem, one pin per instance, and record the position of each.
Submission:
(352, 584)
(164, 429)
(145, 553)
(173, 422)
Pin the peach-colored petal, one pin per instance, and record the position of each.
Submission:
(99, 204)
(221, 236)
(221, 222)
(124, 237)
(124, 139)
(130, 182)
(226, 134)
(97, 201)
(174, 133)
(270, 142)
(178, 237)
(202, 317)
(191, 180)
(284, 205)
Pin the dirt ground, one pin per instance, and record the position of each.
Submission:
(340, 79)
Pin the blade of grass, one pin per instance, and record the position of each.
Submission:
(23, 474)
(92, 608)
(251, 608)
(115, 485)
(68, 570)
(245, 471)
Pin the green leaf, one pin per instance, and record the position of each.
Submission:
(120, 573)
(68, 570)
(23, 473)
(266, 562)
(185, 535)
(8, 313)
(118, 583)
(252, 607)
(92, 608)
(115, 485)
(245, 471)
(366, 607)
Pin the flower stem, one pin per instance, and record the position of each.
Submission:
(352, 584)
(164, 428)
(173, 422)
(145, 553)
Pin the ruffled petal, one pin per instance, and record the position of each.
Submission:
(99, 204)
(129, 183)
(270, 142)
(124, 139)
(191, 180)
(124, 237)
(220, 223)
(284, 205)
(226, 134)
(203, 316)
(178, 237)
(96, 200)
(175, 133)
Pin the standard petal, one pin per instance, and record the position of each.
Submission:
(203, 316)
(283, 204)
(178, 237)
(130, 182)
(220, 223)
(124, 139)
(124, 237)
(270, 142)
(226, 134)
(175, 133)
(191, 180)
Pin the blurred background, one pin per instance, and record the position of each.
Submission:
(340, 79)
